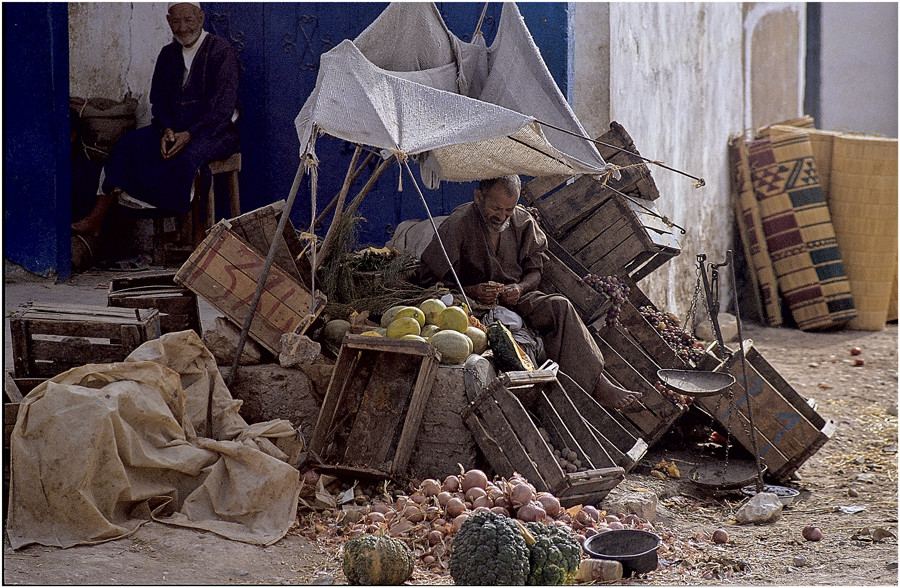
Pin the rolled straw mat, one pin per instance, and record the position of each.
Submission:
(864, 212)
(799, 233)
(762, 273)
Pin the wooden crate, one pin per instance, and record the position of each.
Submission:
(634, 352)
(177, 306)
(557, 277)
(257, 228)
(611, 227)
(788, 430)
(505, 418)
(224, 270)
(373, 407)
(50, 339)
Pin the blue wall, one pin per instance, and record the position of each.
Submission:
(36, 210)
(279, 44)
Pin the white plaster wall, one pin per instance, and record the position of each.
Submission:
(113, 48)
(859, 67)
(676, 85)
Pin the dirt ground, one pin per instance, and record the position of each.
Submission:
(856, 468)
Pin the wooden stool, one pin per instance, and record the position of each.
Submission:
(230, 166)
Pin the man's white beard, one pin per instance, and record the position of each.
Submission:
(192, 41)
(502, 228)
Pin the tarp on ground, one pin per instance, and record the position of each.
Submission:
(465, 111)
(101, 449)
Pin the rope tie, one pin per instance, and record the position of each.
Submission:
(401, 156)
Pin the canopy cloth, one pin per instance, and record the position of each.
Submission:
(407, 85)
(100, 449)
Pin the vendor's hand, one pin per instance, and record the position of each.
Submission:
(486, 292)
(510, 294)
(173, 143)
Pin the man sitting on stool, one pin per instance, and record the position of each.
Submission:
(193, 97)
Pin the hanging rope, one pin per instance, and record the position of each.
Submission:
(480, 21)
(438, 237)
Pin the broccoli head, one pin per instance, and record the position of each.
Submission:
(489, 550)
(554, 555)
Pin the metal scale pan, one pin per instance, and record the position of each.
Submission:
(696, 383)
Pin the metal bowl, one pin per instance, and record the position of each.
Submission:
(636, 550)
(785, 495)
(696, 383)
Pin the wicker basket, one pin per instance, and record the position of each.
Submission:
(864, 212)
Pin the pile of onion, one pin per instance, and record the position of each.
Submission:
(435, 510)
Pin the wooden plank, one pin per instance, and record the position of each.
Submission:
(258, 227)
(420, 393)
(11, 388)
(503, 430)
(21, 337)
(786, 391)
(560, 435)
(591, 226)
(490, 447)
(77, 352)
(536, 451)
(539, 186)
(380, 411)
(567, 206)
(593, 450)
(10, 413)
(334, 397)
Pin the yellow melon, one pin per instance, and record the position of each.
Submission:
(370, 334)
(390, 314)
(453, 345)
(403, 326)
(432, 309)
(429, 330)
(454, 318)
(413, 312)
(479, 339)
(412, 337)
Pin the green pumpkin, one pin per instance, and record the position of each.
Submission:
(508, 356)
(377, 560)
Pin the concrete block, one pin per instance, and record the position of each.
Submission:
(642, 504)
(222, 342)
(298, 349)
(269, 391)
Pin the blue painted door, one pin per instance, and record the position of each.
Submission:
(280, 44)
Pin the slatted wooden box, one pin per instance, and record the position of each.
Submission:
(788, 430)
(225, 270)
(505, 418)
(50, 339)
(634, 352)
(177, 305)
(557, 277)
(373, 407)
(611, 227)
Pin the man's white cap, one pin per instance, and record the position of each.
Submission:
(171, 4)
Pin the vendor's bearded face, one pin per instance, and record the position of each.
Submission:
(496, 207)
(186, 22)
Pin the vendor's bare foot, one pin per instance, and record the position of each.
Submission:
(612, 396)
(87, 226)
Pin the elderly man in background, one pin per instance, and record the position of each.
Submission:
(498, 252)
(194, 98)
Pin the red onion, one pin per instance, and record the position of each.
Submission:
(531, 512)
(401, 527)
(455, 507)
(474, 478)
(413, 514)
(484, 501)
(481, 509)
(590, 532)
(430, 487)
(550, 503)
(418, 498)
(592, 512)
(375, 517)
(432, 512)
(435, 537)
(451, 484)
(520, 494)
(443, 497)
(380, 507)
(615, 526)
(310, 478)
(500, 511)
(439, 522)
(504, 502)
(474, 493)
(428, 559)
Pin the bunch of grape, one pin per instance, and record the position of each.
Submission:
(614, 289)
(669, 328)
(675, 397)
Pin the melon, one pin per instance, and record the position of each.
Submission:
(429, 330)
(454, 318)
(453, 345)
(371, 334)
(412, 337)
(479, 339)
(403, 326)
(413, 312)
(390, 314)
(432, 309)
(334, 331)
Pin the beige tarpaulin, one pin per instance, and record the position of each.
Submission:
(100, 449)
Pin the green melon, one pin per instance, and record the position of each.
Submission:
(453, 345)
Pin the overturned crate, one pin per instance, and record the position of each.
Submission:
(521, 417)
(50, 339)
(373, 407)
(177, 305)
(225, 270)
(788, 430)
(609, 227)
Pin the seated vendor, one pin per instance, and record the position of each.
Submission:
(193, 98)
(497, 251)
